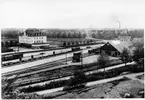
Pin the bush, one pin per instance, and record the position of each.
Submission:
(25, 45)
(67, 88)
(78, 80)
(94, 77)
(136, 68)
(45, 86)
(6, 49)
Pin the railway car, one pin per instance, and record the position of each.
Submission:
(66, 50)
(94, 51)
(12, 56)
(76, 49)
(76, 57)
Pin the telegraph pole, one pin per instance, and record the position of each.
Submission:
(66, 58)
(81, 58)
(18, 47)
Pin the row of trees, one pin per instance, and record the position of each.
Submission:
(75, 33)
(50, 33)
(105, 35)
(112, 34)
(9, 43)
(10, 33)
(65, 35)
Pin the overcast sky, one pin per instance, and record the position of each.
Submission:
(72, 13)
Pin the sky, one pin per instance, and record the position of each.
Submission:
(72, 13)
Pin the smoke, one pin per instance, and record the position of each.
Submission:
(114, 18)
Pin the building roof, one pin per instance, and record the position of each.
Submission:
(69, 39)
(119, 45)
(34, 32)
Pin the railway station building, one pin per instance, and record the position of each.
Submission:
(31, 36)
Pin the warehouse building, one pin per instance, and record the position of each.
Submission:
(65, 42)
(114, 48)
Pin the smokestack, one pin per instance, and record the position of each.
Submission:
(119, 24)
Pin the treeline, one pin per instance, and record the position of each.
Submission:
(78, 33)
(104, 34)
(10, 33)
(50, 33)
(61, 33)
(112, 34)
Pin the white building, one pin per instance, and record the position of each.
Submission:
(32, 36)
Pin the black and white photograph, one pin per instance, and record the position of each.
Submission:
(72, 49)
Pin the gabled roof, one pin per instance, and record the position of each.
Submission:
(119, 45)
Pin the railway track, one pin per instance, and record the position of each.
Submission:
(34, 68)
(39, 68)
(27, 78)
(28, 58)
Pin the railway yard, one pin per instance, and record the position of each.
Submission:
(45, 67)
(29, 67)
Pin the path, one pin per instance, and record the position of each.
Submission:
(133, 77)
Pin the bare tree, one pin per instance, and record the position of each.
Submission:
(103, 60)
(125, 56)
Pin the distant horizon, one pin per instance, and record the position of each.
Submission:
(75, 28)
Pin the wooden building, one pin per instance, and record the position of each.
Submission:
(113, 49)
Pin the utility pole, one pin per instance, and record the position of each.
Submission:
(18, 47)
(66, 58)
(81, 58)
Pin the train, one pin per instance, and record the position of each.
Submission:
(94, 51)
(76, 48)
(12, 56)
(22, 57)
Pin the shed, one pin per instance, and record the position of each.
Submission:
(113, 48)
